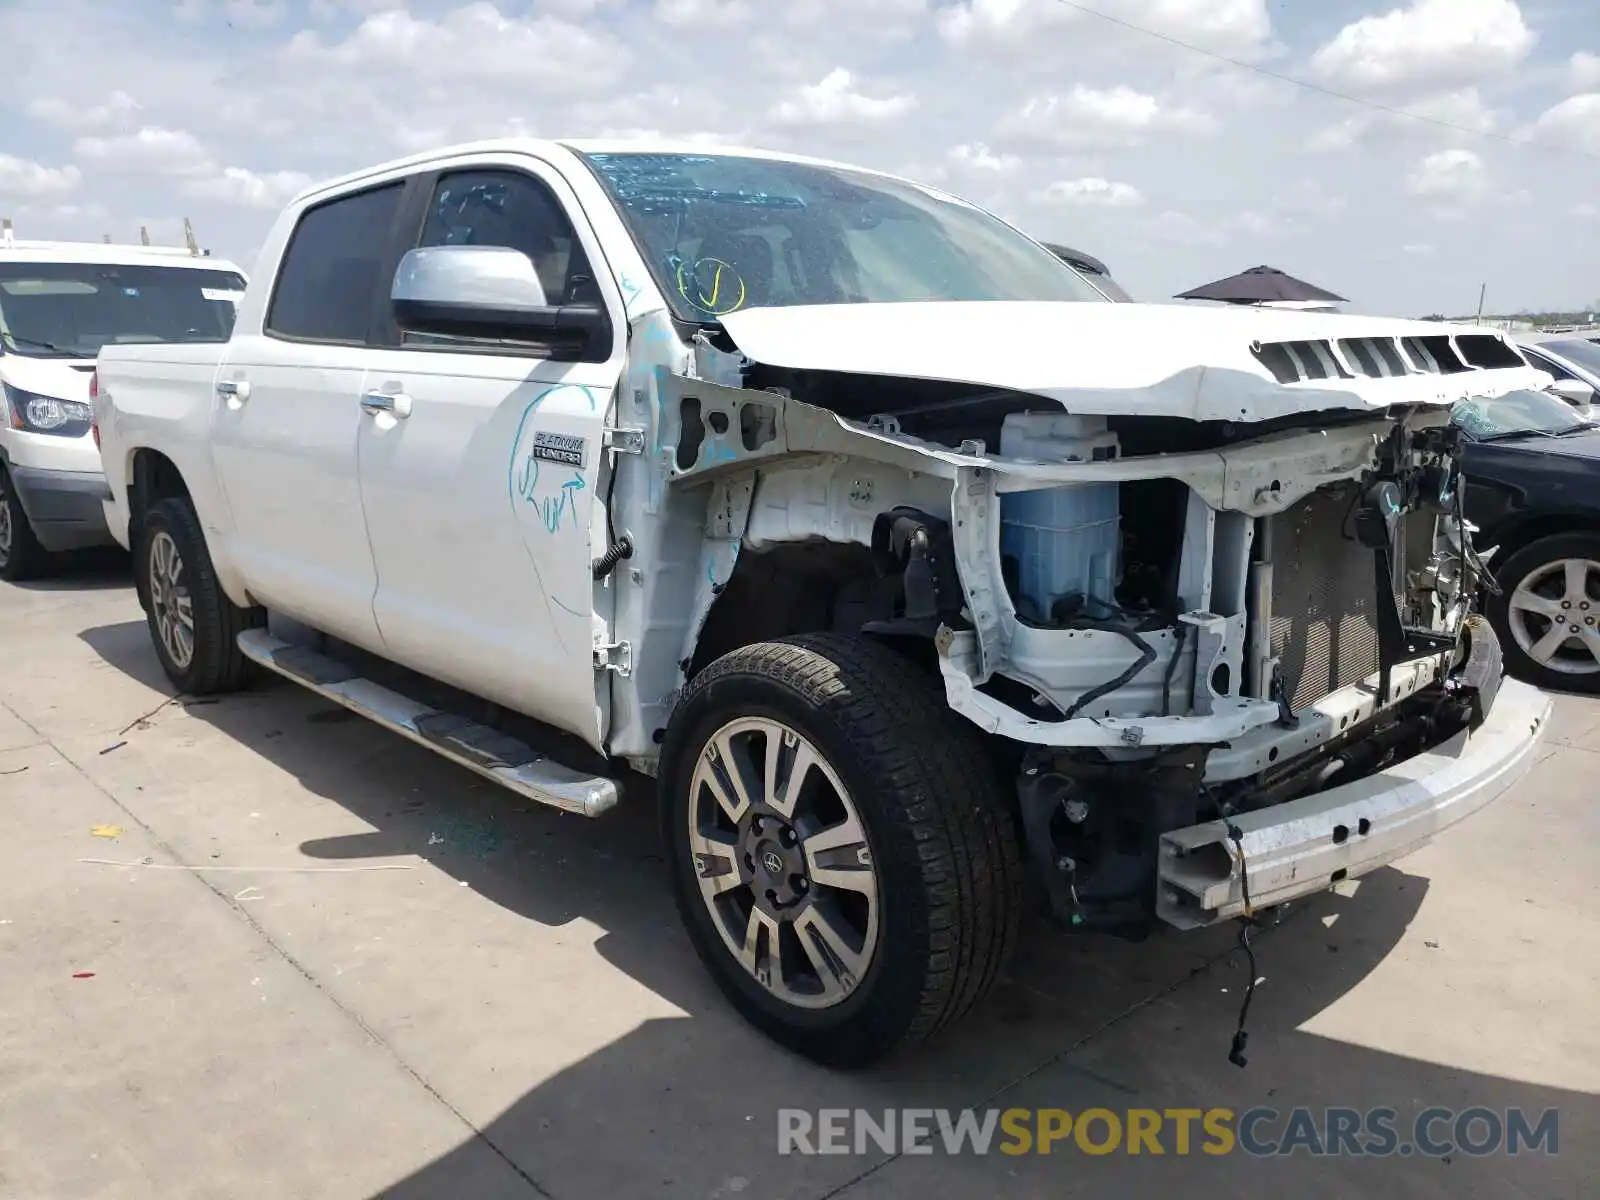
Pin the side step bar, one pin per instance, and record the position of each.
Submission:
(505, 760)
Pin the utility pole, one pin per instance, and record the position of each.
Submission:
(188, 237)
(144, 235)
(1482, 292)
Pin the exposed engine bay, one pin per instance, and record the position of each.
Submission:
(1163, 622)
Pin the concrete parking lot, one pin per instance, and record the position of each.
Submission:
(259, 948)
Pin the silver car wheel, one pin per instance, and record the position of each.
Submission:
(1554, 616)
(170, 600)
(783, 862)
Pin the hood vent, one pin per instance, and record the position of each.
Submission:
(1384, 357)
(1296, 362)
(1375, 357)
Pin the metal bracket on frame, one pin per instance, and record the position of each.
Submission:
(614, 656)
(624, 441)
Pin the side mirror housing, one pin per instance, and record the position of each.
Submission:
(1575, 392)
(491, 293)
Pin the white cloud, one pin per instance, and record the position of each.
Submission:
(1237, 27)
(1464, 108)
(473, 46)
(1090, 118)
(1583, 72)
(25, 179)
(327, 10)
(858, 16)
(977, 157)
(247, 189)
(1449, 175)
(1586, 210)
(1094, 192)
(696, 12)
(1574, 124)
(151, 149)
(1431, 44)
(1419, 249)
(115, 112)
(836, 100)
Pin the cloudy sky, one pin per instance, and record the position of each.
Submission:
(1174, 166)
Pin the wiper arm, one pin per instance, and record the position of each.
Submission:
(14, 339)
(1505, 435)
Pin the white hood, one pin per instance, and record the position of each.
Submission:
(1138, 359)
(56, 377)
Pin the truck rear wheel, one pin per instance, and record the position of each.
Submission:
(194, 626)
(843, 858)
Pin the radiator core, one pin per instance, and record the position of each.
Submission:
(1324, 609)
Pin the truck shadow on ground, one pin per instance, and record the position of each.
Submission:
(98, 569)
(687, 1106)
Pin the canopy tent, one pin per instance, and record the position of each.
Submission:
(1263, 285)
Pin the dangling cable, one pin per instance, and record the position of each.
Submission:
(1240, 1037)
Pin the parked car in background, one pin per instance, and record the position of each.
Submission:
(1574, 360)
(1532, 468)
(1092, 268)
(60, 302)
(909, 566)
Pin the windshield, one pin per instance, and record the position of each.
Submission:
(70, 310)
(721, 233)
(1486, 418)
(1578, 350)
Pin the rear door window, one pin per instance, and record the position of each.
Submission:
(338, 265)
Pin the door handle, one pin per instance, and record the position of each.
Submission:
(396, 404)
(234, 389)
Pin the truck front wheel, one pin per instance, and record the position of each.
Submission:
(194, 626)
(842, 856)
(21, 556)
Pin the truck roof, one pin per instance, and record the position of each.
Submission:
(20, 250)
(547, 147)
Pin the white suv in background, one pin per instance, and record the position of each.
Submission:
(59, 303)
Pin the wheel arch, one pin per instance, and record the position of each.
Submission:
(153, 476)
(1517, 533)
(817, 585)
(821, 547)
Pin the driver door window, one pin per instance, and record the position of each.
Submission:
(508, 208)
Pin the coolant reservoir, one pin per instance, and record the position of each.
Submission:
(1064, 539)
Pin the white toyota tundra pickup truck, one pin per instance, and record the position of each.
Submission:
(924, 581)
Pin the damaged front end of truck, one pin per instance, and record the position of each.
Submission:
(1202, 576)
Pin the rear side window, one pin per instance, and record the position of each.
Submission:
(1545, 364)
(336, 268)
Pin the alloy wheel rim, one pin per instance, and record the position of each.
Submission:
(1554, 615)
(170, 600)
(783, 864)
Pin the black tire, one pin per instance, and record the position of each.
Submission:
(942, 838)
(23, 558)
(1529, 563)
(216, 664)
